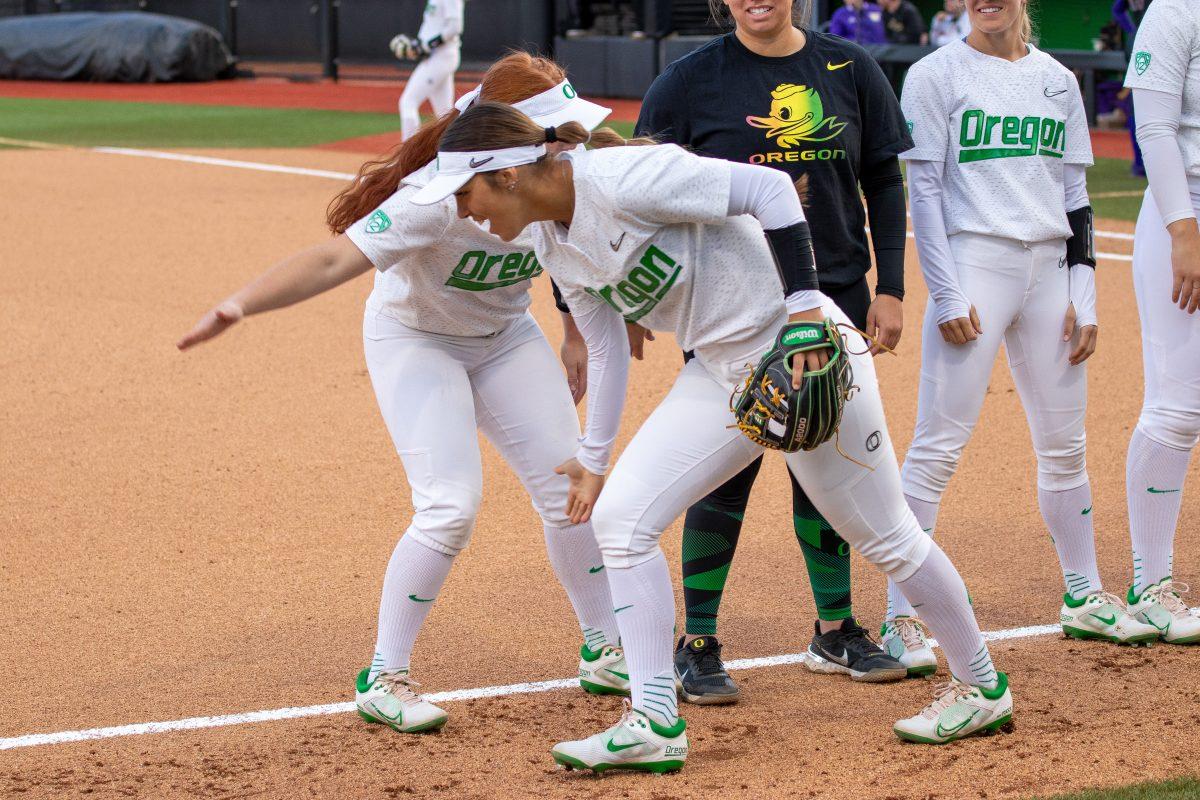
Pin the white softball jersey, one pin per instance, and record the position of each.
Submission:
(651, 239)
(1004, 131)
(441, 274)
(442, 18)
(1166, 58)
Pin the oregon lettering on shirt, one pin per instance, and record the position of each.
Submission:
(478, 271)
(643, 288)
(982, 137)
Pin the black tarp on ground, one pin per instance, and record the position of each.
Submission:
(122, 47)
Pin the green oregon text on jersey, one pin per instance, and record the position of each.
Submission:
(474, 271)
(982, 137)
(643, 288)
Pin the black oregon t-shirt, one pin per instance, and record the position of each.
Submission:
(822, 112)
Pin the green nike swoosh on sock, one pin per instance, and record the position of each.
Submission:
(1086, 511)
(622, 608)
(416, 599)
(1152, 490)
(594, 570)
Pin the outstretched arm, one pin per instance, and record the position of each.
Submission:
(292, 280)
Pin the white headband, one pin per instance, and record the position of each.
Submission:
(455, 169)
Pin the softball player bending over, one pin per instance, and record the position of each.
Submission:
(659, 236)
(438, 49)
(1004, 231)
(451, 345)
(1165, 77)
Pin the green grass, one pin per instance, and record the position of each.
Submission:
(1112, 175)
(95, 122)
(1182, 789)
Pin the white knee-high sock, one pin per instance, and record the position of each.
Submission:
(1154, 476)
(926, 514)
(937, 591)
(415, 574)
(1068, 515)
(576, 560)
(645, 607)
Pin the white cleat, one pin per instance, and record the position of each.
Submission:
(1103, 616)
(905, 639)
(391, 699)
(959, 710)
(636, 742)
(1162, 606)
(603, 671)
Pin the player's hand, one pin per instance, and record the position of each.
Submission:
(885, 322)
(584, 490)
(962, 329)
(213, 323)
(574, 356)
(638, 336)
(811, 360)
(1185, 264)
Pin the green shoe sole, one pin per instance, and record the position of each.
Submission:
(1080, 633)
(922, 672)
(432, 725)
(595, 688)
(1002, 725)
(1188, 640)
(658, 767)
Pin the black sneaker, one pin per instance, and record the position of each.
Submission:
(852, 651)
(700, 675)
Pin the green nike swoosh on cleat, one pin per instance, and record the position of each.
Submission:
(594, 570)
(1109, 620)
(416, 599)
(1152, 490)
(951, 731)
(622, 608)
(613, 747)
(1086, 511)
(620, 675)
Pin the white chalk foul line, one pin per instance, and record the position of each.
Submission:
(225, 162)
(272, 715)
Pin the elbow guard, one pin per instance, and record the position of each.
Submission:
(559, 303)
(794, 258)
(1081, 247)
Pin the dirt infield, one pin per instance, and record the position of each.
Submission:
(205, 534)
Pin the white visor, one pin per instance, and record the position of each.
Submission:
(455, 169)
(561, 104)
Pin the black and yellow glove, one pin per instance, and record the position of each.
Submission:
(773, 414)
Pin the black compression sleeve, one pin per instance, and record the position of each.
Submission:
(559, 303)
(793, 251)
(883, 187)
(1081, 247)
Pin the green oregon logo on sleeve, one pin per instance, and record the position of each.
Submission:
(378, 222)
(643, 288)
(478, 271)
(983, 137)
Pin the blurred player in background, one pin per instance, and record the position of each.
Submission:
(438, 49)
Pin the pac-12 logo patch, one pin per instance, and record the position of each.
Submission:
(1141, 62)
(378, 222)
(873, 442)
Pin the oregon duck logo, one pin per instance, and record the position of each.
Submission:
(797, 115)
